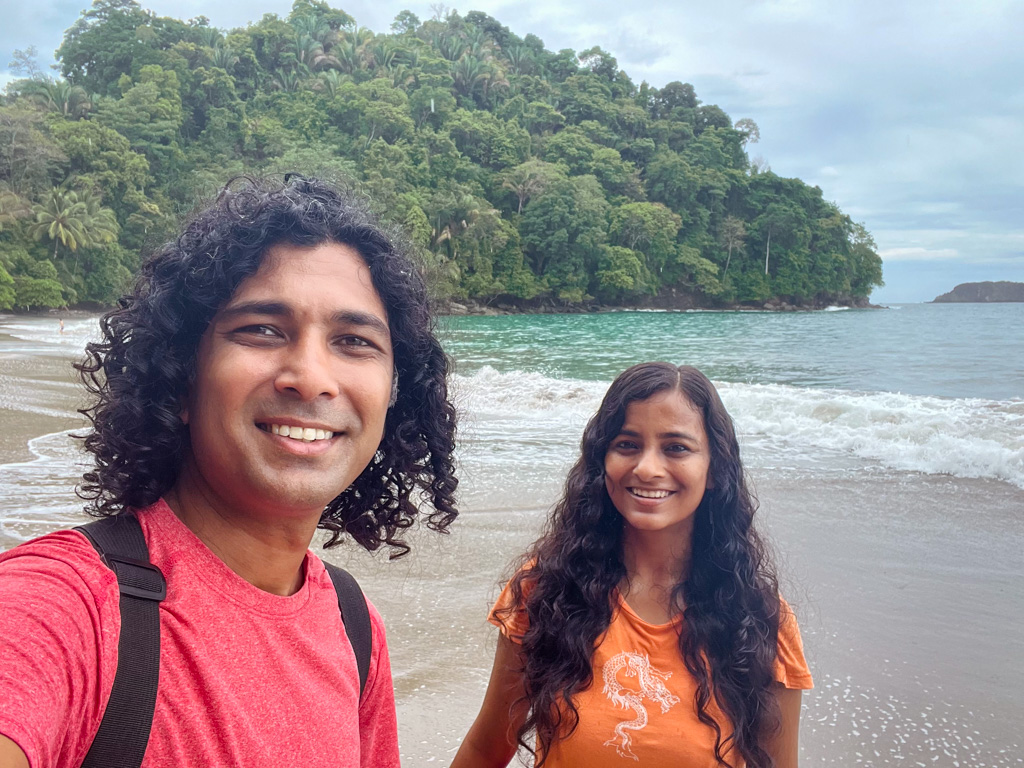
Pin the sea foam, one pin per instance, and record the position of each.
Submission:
(971, 438)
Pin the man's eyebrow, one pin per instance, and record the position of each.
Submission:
(352, 317)
(272, 308)
(281, 309)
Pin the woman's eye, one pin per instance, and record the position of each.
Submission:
(625, 445)
(677, 448)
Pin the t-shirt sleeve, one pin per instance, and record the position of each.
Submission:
(378, 723)
(790, 665)
(59, 623)
(508, 616)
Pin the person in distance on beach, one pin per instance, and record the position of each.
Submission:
(273, 372)
(645, 625)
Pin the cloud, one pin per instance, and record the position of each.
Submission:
(917, 254)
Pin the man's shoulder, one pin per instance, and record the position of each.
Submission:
(62, 557)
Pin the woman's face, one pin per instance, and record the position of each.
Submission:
(656, 468)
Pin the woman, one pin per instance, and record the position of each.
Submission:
(646, 624)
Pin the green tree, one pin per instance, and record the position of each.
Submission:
(529, 179)
(563, 229)
(104, 44)
(62, 218)
(646, 228)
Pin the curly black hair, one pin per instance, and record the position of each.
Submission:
(729, 597)
(141, 371)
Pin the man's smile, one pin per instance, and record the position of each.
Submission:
(295, 432)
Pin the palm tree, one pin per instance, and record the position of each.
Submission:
(383, 53)
(330, 81)
(468, 72)
(60, 96)
(290, 80)
(74, 220)
(224, 58)
(61, 217)
(101, 222)
(451, 46)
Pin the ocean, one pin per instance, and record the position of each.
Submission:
(886, 448)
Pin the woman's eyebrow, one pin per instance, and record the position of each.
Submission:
(661, 435)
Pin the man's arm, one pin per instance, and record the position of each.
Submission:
(11, 755)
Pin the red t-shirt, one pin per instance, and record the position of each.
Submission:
(247, 678)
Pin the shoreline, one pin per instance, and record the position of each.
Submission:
(552, 307)
(544, 306)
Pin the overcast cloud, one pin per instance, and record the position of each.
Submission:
(909, 115)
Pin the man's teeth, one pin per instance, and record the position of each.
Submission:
(306, 434)
(649, 494)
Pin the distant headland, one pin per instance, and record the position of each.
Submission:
(983, 292)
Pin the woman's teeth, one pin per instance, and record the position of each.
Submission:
(306, 434)
(644, 493)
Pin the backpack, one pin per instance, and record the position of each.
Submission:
(124, 730)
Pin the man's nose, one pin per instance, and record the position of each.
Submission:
(307, 370)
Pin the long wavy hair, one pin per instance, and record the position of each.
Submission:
(140, 372)
(729, 597)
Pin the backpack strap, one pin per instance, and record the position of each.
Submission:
(355, 615)
(124, 731)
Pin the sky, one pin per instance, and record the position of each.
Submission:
(908, 114)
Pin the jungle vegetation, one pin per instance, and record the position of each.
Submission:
(523, 176)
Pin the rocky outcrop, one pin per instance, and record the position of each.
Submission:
(983, 292)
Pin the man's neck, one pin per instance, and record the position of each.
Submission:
(269, 555)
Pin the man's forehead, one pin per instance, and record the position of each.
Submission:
(311, 267)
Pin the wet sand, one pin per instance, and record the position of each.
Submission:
(909, 589)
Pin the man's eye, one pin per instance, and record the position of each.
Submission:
(257, 330)
(354, 341)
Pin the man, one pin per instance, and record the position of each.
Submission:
(273, 372)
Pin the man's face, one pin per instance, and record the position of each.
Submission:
(293, 380)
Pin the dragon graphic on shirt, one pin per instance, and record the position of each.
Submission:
(652, 686)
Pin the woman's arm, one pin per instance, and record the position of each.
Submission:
(785, 746)
(491, 741)
(11, 755)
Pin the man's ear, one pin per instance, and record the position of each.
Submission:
(394, 390)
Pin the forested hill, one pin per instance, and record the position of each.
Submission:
(523, 176)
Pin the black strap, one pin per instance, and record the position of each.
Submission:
(124, 731)
(355, 615)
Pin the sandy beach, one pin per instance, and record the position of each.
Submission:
(909, 587)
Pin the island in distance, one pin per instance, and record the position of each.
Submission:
(983, 292)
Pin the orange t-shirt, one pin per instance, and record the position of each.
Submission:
(640, 708)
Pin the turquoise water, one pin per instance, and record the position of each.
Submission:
(946, 350)
(922, 388)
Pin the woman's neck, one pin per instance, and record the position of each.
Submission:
(655, 561)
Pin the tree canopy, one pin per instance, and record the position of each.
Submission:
(520, 174)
